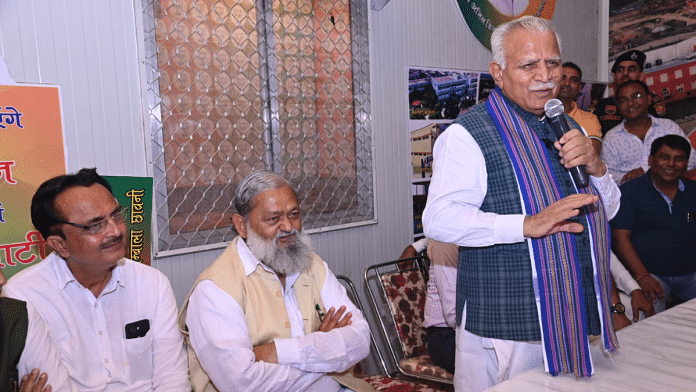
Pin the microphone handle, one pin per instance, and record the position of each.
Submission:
(580, 176)
(560, 126)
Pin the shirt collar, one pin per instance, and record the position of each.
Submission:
(63, 272)
(65, 276)
(251, 263)
(680, 187)
(652, 122)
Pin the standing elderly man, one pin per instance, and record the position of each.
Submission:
(257, 317)
(113, 319)
(502, 192)
(571, 83)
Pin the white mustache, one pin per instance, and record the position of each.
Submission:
(284, 234)
(543, 86)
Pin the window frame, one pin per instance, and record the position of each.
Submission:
(362, 128)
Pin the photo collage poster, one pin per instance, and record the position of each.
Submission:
(666, 32)
(436, 97)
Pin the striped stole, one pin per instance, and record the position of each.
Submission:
(555, 265)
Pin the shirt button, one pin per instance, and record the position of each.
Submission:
(101, 333)
(96, 305)
(287, 324)
(106, 360)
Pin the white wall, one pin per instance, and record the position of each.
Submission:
(93, 50)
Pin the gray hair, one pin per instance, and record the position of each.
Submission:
(257, 182)
(529, 23)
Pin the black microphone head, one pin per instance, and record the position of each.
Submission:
(554, 108)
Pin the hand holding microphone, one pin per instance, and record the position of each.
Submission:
(554, 113)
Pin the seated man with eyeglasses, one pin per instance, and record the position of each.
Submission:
(626, 147)
(113, 319)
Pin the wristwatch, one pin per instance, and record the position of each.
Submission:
(618, 308)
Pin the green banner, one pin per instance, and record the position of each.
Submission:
(135, 193)
(483, 16)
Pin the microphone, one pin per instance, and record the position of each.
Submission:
(554, 113)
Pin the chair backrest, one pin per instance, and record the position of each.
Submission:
(405, 292)
(353, 294)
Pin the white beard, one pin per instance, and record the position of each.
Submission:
(288, 260)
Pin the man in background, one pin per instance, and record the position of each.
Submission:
(571, 84)
(440, 303)
(114, 319)
(626, 147)
(654, 232)
(628, 66)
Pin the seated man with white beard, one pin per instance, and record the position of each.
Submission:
(268, 314)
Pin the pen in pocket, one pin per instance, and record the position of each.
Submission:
(319, 312)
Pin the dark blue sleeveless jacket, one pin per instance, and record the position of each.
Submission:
(496, 281)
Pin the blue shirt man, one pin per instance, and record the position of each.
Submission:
(654, 232)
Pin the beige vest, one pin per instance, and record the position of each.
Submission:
(259, 295)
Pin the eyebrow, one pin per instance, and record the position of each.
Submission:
(535, 60)
(627, 67)
(668, 155)
(281, 212)
(101, 218)
(524, 62)
(641, 91)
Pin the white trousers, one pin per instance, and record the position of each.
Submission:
(481, 362)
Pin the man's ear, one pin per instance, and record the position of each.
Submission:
(58, 244)
(497, 72)
(240, 225)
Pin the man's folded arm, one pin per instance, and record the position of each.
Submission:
(220, 338)
(332, 351)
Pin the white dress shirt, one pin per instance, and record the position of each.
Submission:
(623, 151)
(220, 338)
(441, 299)
(457, 190)
(90, 332)
(41, 353)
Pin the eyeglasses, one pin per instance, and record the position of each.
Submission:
(118, 216)
(633, 97)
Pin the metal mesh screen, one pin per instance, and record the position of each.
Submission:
(235, 86)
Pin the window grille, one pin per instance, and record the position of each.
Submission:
(235, 86)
